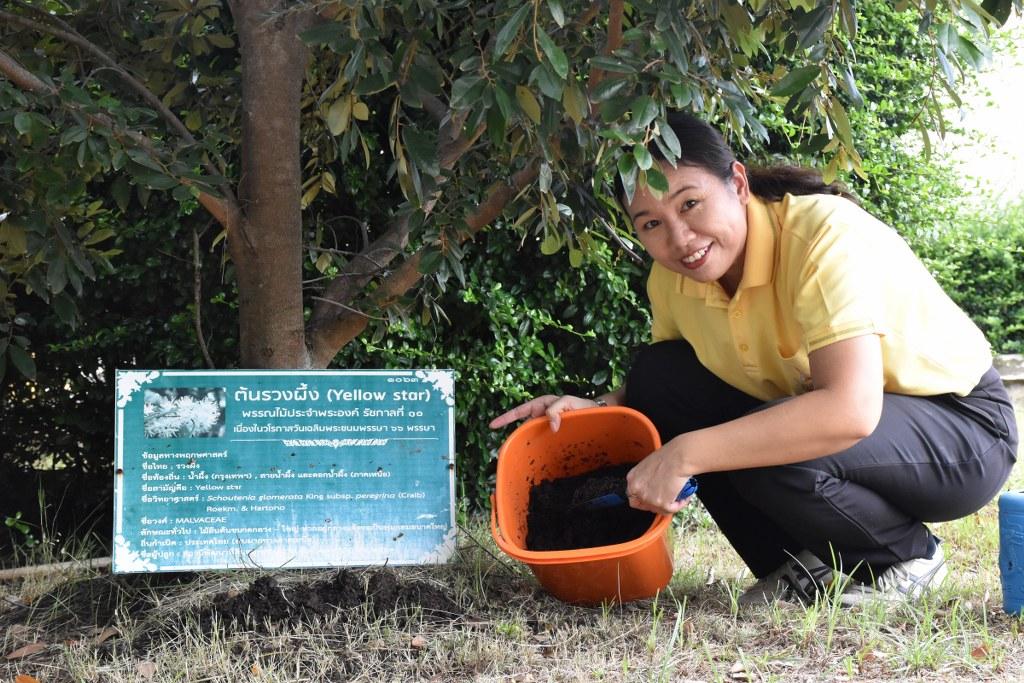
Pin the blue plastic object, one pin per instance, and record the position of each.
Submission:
(1011, 550)
(613, 499)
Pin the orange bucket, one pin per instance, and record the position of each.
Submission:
(587, 439)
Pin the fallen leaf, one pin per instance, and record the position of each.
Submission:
(710, 578)
(688, 629)
(26, 650)
(738, 672)
(106, 634)
(256, 670)
(980, 652)
(418, 643)
(25, 678)
(146, 668)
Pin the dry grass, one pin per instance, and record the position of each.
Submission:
(506, 629)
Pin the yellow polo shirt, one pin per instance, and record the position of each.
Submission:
(819, 269)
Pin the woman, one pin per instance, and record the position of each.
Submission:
(825, 392)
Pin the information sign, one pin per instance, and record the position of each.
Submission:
(227, 469)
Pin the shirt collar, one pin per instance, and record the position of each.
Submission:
(758, 260)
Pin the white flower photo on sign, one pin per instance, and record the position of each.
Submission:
(184, 413)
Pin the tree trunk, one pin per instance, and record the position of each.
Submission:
(268, 250)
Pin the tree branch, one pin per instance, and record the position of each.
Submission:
(616, 10)
(332, 334)
(197, 291)
(225, 211)
(22, 77)
(351, 280)
(66, 33)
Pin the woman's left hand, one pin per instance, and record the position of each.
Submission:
(657, 479)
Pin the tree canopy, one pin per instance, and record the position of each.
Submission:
(512, 115)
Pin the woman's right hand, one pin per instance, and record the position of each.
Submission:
(549, 404)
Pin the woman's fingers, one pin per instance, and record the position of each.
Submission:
(533, 408)
(550, 405)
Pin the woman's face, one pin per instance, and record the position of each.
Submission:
(699, 227)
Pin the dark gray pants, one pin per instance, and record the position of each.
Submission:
(930, 459)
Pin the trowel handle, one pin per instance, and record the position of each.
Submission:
(689, 489)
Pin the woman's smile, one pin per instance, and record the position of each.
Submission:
(697, 258)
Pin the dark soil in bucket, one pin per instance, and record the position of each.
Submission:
(556, 521)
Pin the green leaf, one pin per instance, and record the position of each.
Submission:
(21, 360)
(504, 101)
(627, 174)
(73, 135)
(850, 86)
(971, 53)
(575, 257)
(556, 56)
(464, 91)
(422, 148)
(22, 122)
(548, 81)
(644, 110)
(510, 30)
(656, 180)
(528, 103)
(643, 157)
(812, 26)
(122, 192)
(557, 12)
(550, 244)
(324, 33)
(609, 88)
(848, 18)
(220, 40)
(56, 275)
(431, 260)
(668, 136)
(143, 159)
(100, 235)
(842, 122)
(796, 80)
(682, 93)
(999, 9)
(611, 64)
(64, 306)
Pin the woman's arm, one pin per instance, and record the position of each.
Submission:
(843, 408)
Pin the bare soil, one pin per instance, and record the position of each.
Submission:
(380, 591)
(556, 520)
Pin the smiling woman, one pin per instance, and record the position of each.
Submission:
(808, 371)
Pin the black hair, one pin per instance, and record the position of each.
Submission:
(703, 146)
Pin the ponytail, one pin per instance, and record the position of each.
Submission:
(775, 182)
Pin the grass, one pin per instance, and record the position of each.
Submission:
(506, 629)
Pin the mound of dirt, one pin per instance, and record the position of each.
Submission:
(380, 591)
(556, 521)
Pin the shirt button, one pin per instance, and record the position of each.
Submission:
(744, 348)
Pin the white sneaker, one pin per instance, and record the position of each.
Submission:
(901, 582)
(801, 579)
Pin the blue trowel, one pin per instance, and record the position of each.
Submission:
(609, 500)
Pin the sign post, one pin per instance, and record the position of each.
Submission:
(228, 469)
